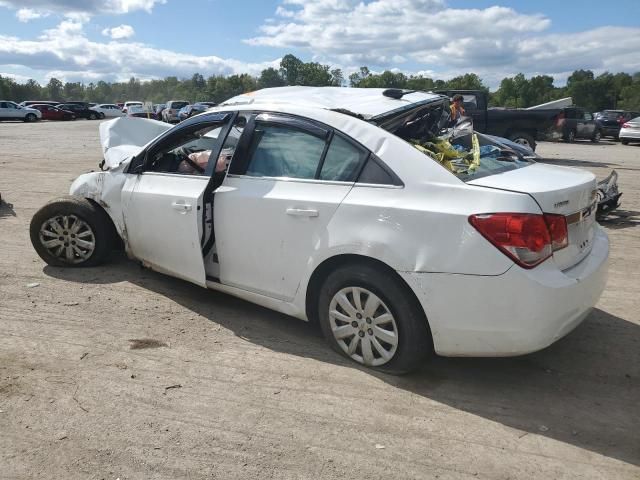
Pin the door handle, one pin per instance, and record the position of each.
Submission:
(181, 206)
(301, 212)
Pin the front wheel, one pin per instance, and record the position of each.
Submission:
(523, 138)
(72, 232)
(93, 116)
(371, 317)
(624, 141)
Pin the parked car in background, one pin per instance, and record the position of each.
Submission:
(189, 110)
(109, 110)
(49, 112)
(518, 125)
(139, 112)
(170, 114)
(630, 131)
(28, 103)
(81, 110)
(12, 111)
(126, 105)
(157, 110)
(610, 121)
(322, 215)
(576, 123)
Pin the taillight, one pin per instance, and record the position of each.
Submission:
(528, 239)
(625, 125)
(558, 230)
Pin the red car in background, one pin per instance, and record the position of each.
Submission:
(49, 112)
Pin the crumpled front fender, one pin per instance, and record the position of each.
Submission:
(104, 188)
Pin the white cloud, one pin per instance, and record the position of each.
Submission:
(66, 51)
(27, 14)
(120, 32)
(448, 41)
(76, 9)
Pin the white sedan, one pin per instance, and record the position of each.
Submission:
(109, 110)
(355, 208)
(630, 131)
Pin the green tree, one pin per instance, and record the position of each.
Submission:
(290, 67)
(54, 89)
(270, 77)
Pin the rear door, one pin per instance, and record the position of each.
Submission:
(163, 205)
(286, 181)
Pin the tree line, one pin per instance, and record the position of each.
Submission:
(605, 91)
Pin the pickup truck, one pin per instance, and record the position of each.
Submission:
(518, 125)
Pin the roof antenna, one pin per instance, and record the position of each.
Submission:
(396, 93)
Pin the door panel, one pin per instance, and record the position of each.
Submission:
(162, 213)
(266, 230)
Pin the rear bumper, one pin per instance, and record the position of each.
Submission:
(518, 312)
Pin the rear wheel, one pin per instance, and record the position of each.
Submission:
(523, 138)
(597, 136)
(30, 117)
(571, 136)
(369, 316)
(624, 141)
(93, 116)
(72, 232)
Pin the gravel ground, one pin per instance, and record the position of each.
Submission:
(221, 388)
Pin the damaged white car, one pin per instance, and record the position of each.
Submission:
(355, 208)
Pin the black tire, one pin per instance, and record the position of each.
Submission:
(523, 138)
(93, 116)
(101, 115)
(570, 137)
(93, 216)
(414, 341)
(30, 117)
(597, 136)
(624, 141)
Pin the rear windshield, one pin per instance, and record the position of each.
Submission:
(473, 155)
(178, 105)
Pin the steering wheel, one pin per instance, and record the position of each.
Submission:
(184, 152)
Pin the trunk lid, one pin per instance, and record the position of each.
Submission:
(559, 190)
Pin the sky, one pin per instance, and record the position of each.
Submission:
(92, 40)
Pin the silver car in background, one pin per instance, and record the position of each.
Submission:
(630, 131)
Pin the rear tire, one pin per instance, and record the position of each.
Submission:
(624, 141)
(571, 136)
(597, 136)
(93, 116)
(523, 138)
(369, 316)
(72, 232)
(30, 117)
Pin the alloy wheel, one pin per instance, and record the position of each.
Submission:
(68, 238)
(363, 326)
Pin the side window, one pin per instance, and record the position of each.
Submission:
(469, 102)
(343, 160)
(375, 172)
(187, 153)
(283, 151)
(588, 116)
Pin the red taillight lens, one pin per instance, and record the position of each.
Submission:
(528, 239)
(625, 125)
(558, 231)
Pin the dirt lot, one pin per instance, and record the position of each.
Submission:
(232, 390)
